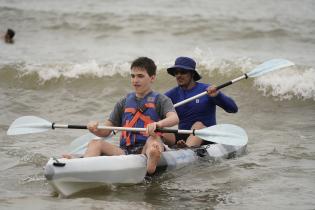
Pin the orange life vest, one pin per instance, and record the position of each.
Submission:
(138, 114)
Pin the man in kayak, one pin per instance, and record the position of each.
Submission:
(141, 108)
(199, 113)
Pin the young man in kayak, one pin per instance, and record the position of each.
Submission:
(142, 108)
(199, 113)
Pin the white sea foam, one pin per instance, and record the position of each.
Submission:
(74, 71)
(288, 84)
(205, 62)
(294, 82)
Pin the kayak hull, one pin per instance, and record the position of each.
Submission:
(68, 176)
(84, 173)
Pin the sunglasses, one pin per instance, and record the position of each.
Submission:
(180, 71)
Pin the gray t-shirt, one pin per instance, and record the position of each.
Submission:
(163, 106)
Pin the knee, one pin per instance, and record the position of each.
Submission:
(154, 149)
(154, 152)
(198, 125)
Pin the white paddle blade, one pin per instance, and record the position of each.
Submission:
(79, 145)
(269, 66)
(28, 124)
(227, 134)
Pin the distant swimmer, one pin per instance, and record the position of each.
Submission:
(8, 37)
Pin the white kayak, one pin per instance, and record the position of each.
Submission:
(68, 176)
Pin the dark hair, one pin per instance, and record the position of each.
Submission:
(10, 33)
(146, 63)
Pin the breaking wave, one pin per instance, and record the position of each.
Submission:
(294, 82)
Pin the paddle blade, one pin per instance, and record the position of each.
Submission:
(28, 124)
(227, 134)
(79, 145)
(269, 66)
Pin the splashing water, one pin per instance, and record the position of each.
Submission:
(288, 84)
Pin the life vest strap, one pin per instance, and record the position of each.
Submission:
(135, 113)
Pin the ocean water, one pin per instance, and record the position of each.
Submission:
(70, 64)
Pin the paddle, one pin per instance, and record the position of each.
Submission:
(266, 67)
(79, 145)
(223, 134)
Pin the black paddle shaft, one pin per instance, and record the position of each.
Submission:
(54, 125)
(231, 82)
(175, 131)
(77, 126)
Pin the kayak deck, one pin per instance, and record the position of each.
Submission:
(68, 176)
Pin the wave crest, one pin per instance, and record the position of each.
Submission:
(42, 73)
(295, 82)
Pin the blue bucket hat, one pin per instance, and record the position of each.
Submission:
(184, 63)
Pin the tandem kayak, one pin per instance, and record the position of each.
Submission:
(69, 176)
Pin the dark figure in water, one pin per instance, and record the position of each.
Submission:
(8, 37)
